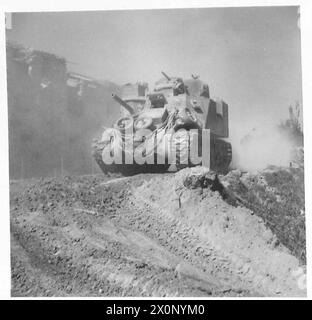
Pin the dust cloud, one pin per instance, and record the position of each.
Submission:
(260, 149)
(265, 145)
(53, 115)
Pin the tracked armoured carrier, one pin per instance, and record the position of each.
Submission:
(165, 129)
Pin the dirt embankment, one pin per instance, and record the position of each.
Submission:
(147, 235)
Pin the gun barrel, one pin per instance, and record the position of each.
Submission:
(166, 76)
(123, 103)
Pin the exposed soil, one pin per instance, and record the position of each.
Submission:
(146, 235)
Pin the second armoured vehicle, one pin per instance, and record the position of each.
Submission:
(174, 126)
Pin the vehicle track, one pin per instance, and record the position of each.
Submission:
(108, 236)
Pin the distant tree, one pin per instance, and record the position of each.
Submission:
(293, 125)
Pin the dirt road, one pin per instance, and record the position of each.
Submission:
(147, 235)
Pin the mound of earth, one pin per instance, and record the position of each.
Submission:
(277, 196)
(180, 234)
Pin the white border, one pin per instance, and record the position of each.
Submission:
(72, 5)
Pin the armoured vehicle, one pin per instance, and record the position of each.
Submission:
(176, 125)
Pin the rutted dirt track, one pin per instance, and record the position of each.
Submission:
(147, 235)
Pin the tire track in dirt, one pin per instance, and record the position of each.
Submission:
(115, 237)
(83, 254)
(191, 258)
(242, 249)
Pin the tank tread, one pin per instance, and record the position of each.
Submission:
(124, 169)
(220, 157)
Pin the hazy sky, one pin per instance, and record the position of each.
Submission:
(249, 56)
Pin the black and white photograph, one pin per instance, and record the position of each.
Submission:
(156, 152)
